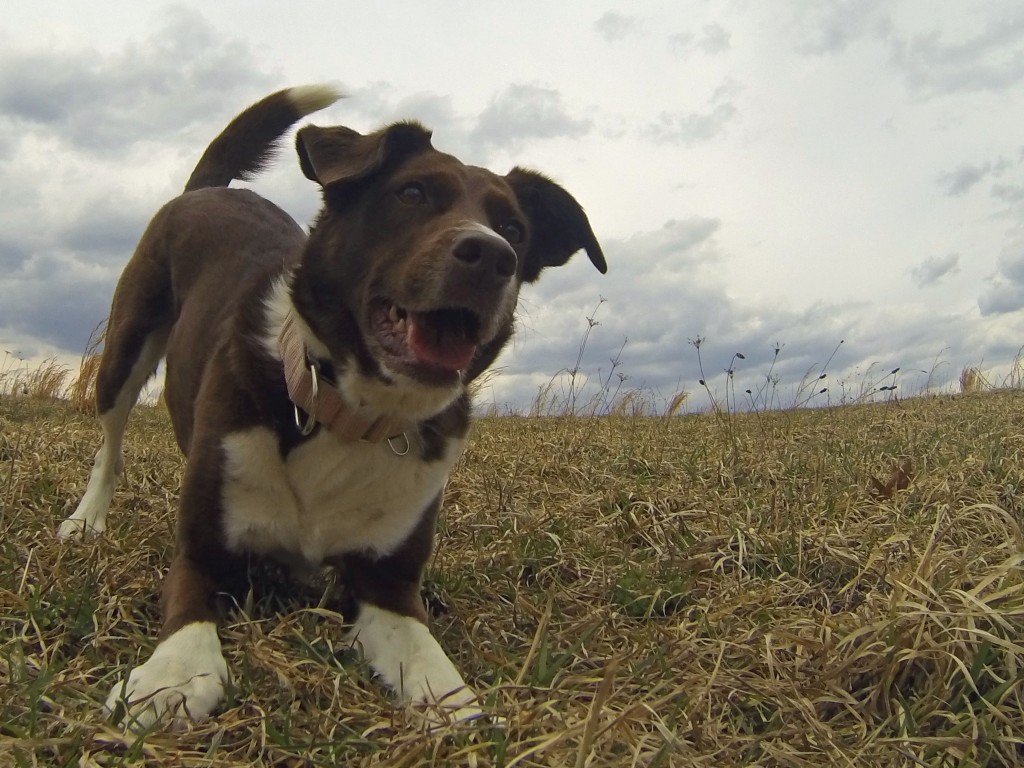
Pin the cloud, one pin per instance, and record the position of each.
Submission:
(150, 90)
(379, 102)
(960, 180)
(57, 299)
(934, 268)
(690, 127)
(1006, 287)
(514, 117)
(523, 113)
(669, 285)
(14, 252)
(612, 26)
(991, 60)
(713, 40)
(104, 231)
(830, 28)
(99, 142)
(1008, 193)
(988, 60)
(1003, 297)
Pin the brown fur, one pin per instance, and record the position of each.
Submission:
(400, 220)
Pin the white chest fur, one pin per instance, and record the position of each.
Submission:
(326, 497)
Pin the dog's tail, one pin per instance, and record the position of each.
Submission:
(247, 145)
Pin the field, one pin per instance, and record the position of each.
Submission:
(830, 586)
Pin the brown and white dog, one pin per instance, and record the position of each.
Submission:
(317, 383)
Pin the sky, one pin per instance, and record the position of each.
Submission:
(822, 187)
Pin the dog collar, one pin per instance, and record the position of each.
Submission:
(324, 403)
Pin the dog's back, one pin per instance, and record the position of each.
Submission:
(205, 239)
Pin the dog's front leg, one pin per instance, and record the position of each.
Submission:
(390, 626)
(184, 679)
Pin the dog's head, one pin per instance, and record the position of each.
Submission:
(413, 267)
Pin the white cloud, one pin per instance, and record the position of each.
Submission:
(935, 268)
(962, 58)
(523, 113)
(713, 39)
(960, 180)
(830, 28)
(690, 127)
(612, 26)
(1005, 292)
(149, 90)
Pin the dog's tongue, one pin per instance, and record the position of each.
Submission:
(443, 350)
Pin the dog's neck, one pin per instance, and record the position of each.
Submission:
(324, 403)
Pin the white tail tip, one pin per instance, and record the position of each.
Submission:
(310, 98)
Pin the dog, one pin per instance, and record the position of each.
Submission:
(317, 383)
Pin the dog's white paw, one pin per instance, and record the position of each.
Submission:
(183, 680)
(409, 660)
(78, 526)
(432, 684)
(458, 706)
(91, 515)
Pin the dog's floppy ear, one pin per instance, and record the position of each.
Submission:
(558, 225)
(333, 155)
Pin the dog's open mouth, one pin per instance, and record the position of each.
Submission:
(431, 343)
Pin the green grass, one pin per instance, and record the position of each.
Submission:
(621, 590)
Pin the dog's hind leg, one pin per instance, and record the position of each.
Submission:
(128, 362)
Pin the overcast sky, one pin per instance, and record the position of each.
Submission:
(759, 174)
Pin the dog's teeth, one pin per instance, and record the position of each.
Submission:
(393, 314)
(400, 325)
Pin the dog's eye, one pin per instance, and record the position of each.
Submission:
(512, 231)
(412, 194)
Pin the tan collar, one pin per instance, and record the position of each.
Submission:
(323, 402)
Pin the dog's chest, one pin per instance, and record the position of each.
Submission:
(326, 497)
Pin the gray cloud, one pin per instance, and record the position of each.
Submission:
(934, 268)
(1006, 290)
(104, 231)
(931, 65)
(612, 26)
(110, 120)
(992, 60)
(14, 253)
(57, 299)
(960, 180)
(1008, 193)
(1003, 297)
(150, 90)
(378, 102)
(690, 127)
(522, 113)
(666, 287)
(829, 28)
(713, 39)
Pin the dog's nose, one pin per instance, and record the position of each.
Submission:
(486, 254)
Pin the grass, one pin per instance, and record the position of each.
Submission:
(828, 586)
(44, 382)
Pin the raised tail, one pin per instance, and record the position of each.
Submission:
(247, 145)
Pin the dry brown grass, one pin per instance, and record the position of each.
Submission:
(82, 392)
(44, 382)
(972, 380)
(623, 591)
